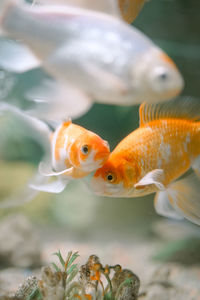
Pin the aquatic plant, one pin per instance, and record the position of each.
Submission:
(91, 281)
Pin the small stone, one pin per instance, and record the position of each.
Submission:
(28, 287)
(19, 243)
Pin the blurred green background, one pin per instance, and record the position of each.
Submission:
(174, 25)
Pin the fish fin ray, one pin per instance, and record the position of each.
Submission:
(47, 171)
(179, 108)
(154, 177)
(24, 196)
(17, 58)
(163, 206)
(55, 187)
(184, 196)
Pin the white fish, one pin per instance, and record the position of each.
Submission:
(91, 56)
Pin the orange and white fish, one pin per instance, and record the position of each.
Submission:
(75, 153)
(91, 54)
(154, 156)
(71, 151)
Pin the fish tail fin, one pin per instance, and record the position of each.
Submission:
(181, 199)
(35, 128)
(24, 196)
(57, 101)
(196, 163)
(196, 166)
(55, 187)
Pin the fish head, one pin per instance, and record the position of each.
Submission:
(156, 77)
(114, 179)
(91, 151)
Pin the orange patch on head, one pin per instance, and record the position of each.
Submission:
(168, 60)
(74, 155)
(102, 150)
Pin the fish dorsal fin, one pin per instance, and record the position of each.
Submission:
(130, 9)
(67, 122)
(106, 6)
(187, 108)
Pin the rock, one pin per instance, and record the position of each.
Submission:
(19, 243)
(173, 282)
(10, 279)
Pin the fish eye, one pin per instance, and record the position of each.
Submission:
(85, 149)
(163, 76)
(110, 177)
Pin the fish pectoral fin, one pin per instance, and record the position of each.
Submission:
(154, 177)
(184, 197)
(55, 187)
(47, 171)
(58, 101)
(106, 6)
(164, 208)
(15, 57)
(106, 79)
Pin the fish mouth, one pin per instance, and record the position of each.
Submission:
(102, 188)
(93, 166)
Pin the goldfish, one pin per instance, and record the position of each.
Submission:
(89, 52)
(71, 152)
(75, 153)
(152, 159)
